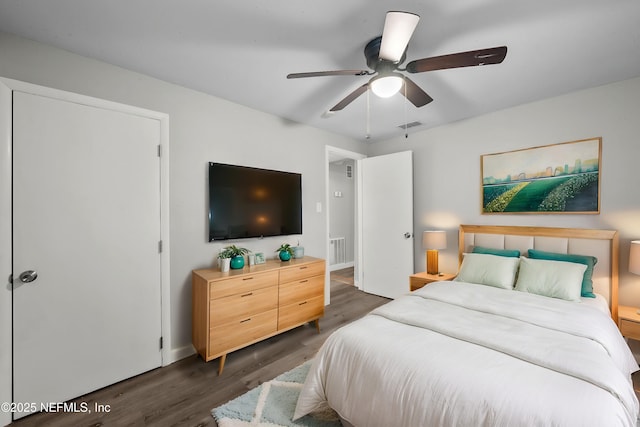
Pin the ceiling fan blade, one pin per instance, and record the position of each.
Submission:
(329, 73)
(398, 29)
(414, 93)
(494, 55)
(351, 97)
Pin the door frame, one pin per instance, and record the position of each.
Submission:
(7, 87)
(331, 154)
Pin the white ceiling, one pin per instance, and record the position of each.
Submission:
(242, 50)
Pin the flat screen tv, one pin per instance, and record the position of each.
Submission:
(248, 202)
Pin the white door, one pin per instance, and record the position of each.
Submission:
(387, 224)
(86, 220)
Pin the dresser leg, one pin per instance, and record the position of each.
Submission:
(223, 358)
(318, 325)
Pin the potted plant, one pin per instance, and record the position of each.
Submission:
(285, 252)
(224, 259)
(236, 255)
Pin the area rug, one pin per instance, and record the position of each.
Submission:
(272, 405)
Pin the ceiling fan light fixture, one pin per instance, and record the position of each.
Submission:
(387, 85)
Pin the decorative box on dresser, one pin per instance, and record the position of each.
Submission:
(234, 309)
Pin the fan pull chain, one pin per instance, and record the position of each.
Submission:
(368, 130)
(406, 125)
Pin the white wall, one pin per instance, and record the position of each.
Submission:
(203, 128)
(447, 167)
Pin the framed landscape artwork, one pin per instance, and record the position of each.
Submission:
(561, 178)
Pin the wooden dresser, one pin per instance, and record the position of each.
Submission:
(234, 309)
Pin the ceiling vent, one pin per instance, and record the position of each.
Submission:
(410, 125)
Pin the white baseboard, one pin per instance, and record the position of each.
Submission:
(335, 267)
(179, 354)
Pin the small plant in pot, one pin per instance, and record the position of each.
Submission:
(285, 252)
(224, 259)
(236, 254)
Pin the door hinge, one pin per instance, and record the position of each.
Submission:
(159, 150)
(161, 343)
(160, 246)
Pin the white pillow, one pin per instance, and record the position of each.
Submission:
(486, 269)
(555, 279)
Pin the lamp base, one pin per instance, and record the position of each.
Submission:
(432, 261)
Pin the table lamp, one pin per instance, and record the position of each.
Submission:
(634, 258)
(432, 241)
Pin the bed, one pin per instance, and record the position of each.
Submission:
(477, 352)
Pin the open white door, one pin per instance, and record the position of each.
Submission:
(387, 223)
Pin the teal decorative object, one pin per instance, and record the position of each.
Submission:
(285, 252)
(237, 262)
(285, 256)
(236, 255)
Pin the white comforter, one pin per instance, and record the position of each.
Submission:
(457, 354)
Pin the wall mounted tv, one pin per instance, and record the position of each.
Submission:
(248, 202)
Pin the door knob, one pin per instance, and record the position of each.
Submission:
(28, 276)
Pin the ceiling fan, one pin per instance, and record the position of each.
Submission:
(385, 54)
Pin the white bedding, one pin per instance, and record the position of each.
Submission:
(598, 302)
(472, 355)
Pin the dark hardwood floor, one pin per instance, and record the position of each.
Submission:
(183, 394)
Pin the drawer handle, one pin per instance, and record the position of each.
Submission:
(303, 303)
(304, 281)
(246, 295)
(245, 320)
(247, 278)
(303, 267)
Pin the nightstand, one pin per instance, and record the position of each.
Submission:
(629, 322)
(418, 280)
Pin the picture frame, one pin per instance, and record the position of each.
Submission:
(260, 259)
(561, 178)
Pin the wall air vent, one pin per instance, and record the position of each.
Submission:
(410, 125)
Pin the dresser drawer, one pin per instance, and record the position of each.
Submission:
(240, 306)
(293, 273)
(240, 333)
(300, 312)
(301, 290)
(242, 284)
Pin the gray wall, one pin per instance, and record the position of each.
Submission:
(447, 167)
(203, 128)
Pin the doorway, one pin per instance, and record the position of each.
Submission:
(383, 215)
(343, 219)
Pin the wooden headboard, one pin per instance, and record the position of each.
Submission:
(603, 244)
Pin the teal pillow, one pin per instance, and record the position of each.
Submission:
(514, 253)
(589, 261)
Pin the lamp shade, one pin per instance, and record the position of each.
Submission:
(634, 257)
(435, 239)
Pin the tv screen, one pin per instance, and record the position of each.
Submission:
(249, 202)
